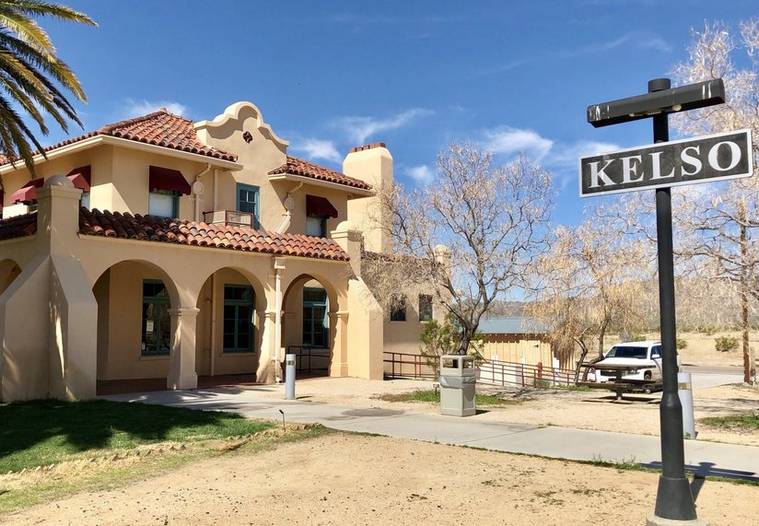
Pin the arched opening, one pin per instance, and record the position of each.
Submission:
(134, 327)
(231, 307)
(308, 308)
(9, 271)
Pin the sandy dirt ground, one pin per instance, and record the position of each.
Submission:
(351, 479)
(637, 413)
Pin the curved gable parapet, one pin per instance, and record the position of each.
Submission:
(238, 113)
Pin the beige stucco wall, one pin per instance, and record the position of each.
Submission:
(24, 323)
(257, 157)
(374, 166)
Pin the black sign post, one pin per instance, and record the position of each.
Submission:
(674, 500)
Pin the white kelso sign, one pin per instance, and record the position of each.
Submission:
(700, 160)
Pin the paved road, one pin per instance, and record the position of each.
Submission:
(703, 377)
(556, 442)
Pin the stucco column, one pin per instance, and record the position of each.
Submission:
(182, 373)
(338, 322)
(279, 267)
(265, 373)
(350, 240)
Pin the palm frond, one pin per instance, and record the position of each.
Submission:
(32, 76)
(27, 29)
(13, 127)
(54, 67)
(62, 12)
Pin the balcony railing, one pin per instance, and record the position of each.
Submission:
(230, 218)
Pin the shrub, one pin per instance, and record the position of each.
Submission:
(710, 330)
(726, 344)
(681, 344)
(437, 339)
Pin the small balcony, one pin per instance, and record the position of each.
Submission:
(230, 218)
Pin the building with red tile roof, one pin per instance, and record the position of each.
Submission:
(160, 249)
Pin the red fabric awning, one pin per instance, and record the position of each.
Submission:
(81, 178)
(168, 179)
(319, 206)
(28, 192)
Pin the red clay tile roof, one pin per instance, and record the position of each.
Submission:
(295, 166)
(159, 128)
(152, 228)
(18, 226)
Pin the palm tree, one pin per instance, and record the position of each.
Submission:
(31, 75)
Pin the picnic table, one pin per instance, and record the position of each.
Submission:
(619, 384)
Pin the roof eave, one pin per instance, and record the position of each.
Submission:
(97, 140)
(353, 192)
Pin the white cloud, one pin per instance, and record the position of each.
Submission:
(319, 149)
(656, 43)
(568, 154)
(637, 39)
(420, 174)
(134, 108)
(506, 140)
(359, 128)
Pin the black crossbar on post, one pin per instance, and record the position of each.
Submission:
(674, 500)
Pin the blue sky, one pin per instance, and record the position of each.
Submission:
(417, 75)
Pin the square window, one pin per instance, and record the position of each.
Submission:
(163, 204)
(316, 226)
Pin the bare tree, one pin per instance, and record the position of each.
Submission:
(470, 236)
(592, 281)
(723, 226)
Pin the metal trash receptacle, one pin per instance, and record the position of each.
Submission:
(457, 385)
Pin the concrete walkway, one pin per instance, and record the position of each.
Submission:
(706, 458)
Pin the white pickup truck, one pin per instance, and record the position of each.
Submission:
(644, 358)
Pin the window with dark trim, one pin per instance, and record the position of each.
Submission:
(163, 203)
(398, 309)
(156, 321)
(248, 200)
(316, 226)
(315, 321)
(425, 307)
(239, 331)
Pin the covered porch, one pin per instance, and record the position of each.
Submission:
(140, 300)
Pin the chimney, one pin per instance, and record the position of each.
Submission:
(371, 163)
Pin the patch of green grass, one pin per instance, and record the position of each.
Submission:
(431, 396)
(748, 421)
(47, 432)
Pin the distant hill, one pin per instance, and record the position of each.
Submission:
(500, 309)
